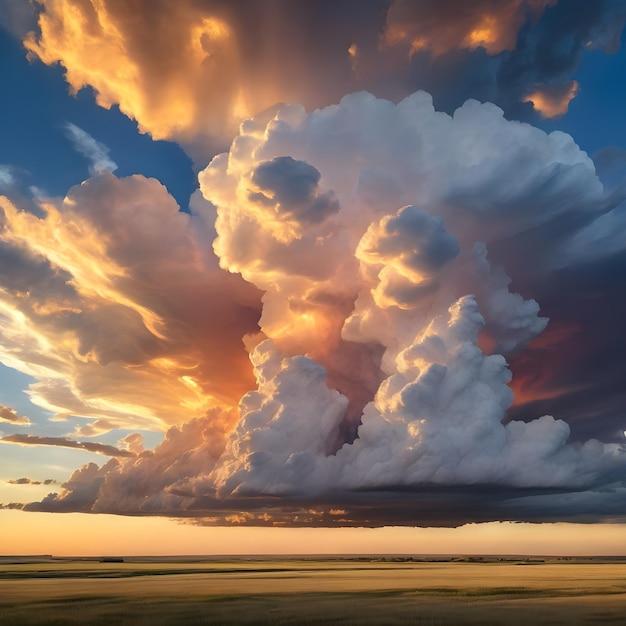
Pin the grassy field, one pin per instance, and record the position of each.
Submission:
(307, 591)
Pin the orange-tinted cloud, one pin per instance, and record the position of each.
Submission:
(7, 414)
(192, 70)
(176, 70)
(537, 369)
(444, 25)
(116, 305)
(552, 100)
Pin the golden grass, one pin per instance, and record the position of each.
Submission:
(311, 592)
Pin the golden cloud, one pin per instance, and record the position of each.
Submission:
(443, 26)
(111, 326)
(552, 100)
(176, 71)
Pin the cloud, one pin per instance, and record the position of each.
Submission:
(6, 176)
(382, 390)
(132, 442)
(290, 422)
(597, 240)
(453, 168)
(79, 490)
(512, 321)
(286, 190)
(90, 446)
(112, 328)
(442, 26)
(192, 70)
(437, 420)
(188, 450)
(17, 18)
(404, 251)
(30, 481)
(552, 100)
(121, 70)
(18, 506)
(93, 429)
(10, 415)
(95, 152)
(529, 48)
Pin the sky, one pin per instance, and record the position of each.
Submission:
(338, 274)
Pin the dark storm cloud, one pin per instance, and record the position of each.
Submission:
(429, 506)
(550, 51)
(545, 51)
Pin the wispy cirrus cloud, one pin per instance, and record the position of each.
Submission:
(94, 151)
(6, 176)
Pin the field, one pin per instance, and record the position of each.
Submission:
(478, 591)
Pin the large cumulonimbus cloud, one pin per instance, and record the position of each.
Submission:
(382, 383)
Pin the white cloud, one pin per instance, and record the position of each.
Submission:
(6, 177)
(95, 152)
